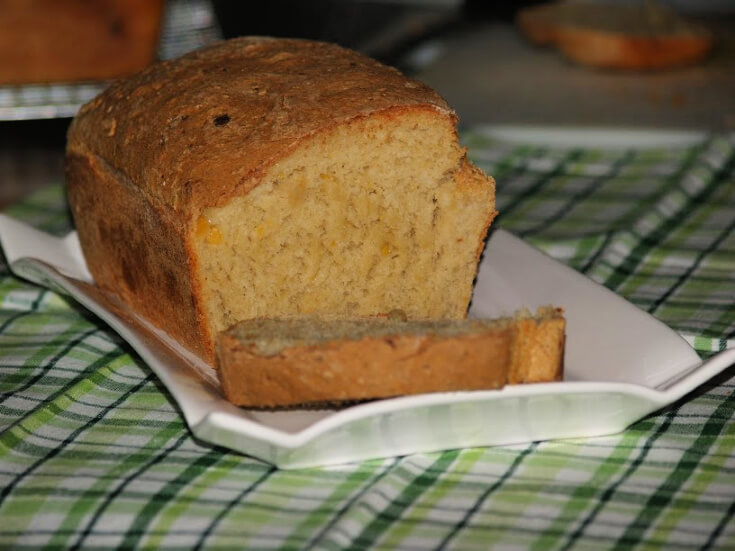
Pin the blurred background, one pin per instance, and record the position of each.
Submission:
(471, 51)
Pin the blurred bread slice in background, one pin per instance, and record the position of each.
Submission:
(631, 36)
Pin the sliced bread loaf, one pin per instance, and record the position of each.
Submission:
(275, 177)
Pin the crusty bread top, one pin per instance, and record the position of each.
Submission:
(184, 130)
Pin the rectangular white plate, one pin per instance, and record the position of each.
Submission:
(620, 365)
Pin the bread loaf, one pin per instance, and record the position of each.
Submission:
(274, 178)
(44, 41)
(638, 36)
(289, 362)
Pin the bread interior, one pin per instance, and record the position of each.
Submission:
(270, 337)
(379, 214)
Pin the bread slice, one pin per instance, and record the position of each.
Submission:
(637, 36)
(273, 178)
(267, 363)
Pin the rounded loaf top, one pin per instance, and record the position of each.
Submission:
(195, 130)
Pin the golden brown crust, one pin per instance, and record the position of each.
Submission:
(512, 351)
(195, 113)
(538, 348)
(70, 40)
(361, 370)
(151, 275)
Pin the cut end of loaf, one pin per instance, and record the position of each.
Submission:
(379, 214)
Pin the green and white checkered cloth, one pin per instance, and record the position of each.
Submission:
(94, 454)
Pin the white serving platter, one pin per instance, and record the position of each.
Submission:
(621, 364)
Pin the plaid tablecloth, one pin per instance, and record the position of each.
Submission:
(94, 454)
